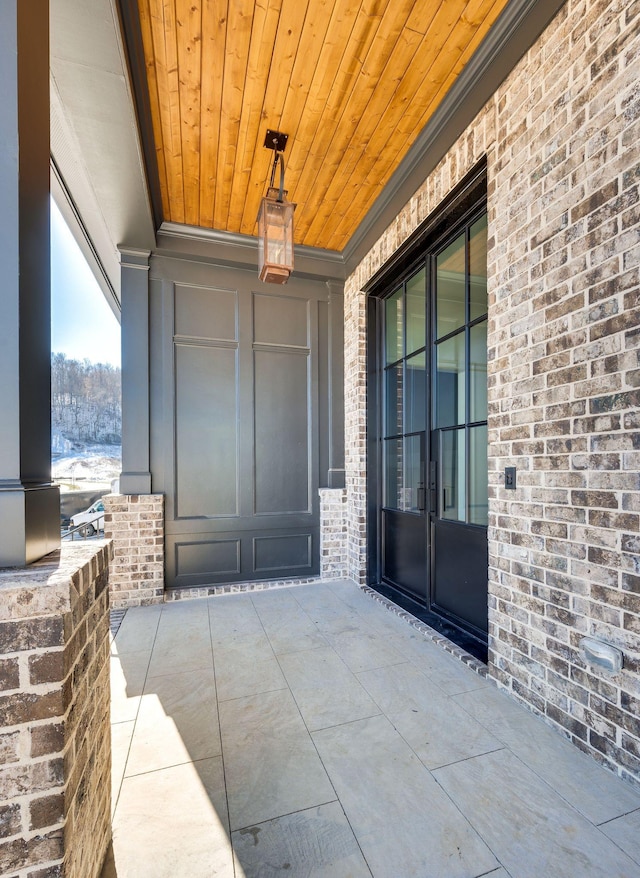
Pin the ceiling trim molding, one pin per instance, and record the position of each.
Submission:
(512, 35)
(133, 258)
(241, 251)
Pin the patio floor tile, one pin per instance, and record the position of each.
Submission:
(246, 666)
(309, 732)
(173, 824)
(138, 629)
(597, 794)
(625, 831)
(288, 627)
(531, 829)
(326, 691)
(434, 726)
(177, 722)
(128, 673)
(401, 818)
(321, 838)
(271, 765)
(232, 618)
(183, 642)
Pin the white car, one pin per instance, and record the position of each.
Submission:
(91, 517)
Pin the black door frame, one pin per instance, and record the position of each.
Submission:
(467, 199)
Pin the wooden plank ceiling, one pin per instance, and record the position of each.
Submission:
(352, 82)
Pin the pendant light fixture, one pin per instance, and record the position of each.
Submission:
(275, 220)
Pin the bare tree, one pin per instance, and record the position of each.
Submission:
(86, 401)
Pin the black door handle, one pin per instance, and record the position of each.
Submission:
(433, 487)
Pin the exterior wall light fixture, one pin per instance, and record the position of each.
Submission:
(275, 221)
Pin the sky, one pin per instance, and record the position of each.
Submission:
(83, 326)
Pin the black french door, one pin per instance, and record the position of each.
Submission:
(432, 387)
(404, 415)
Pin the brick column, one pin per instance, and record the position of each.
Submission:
(355, 403)
(333, 533)
(55, 743)
(135, 523)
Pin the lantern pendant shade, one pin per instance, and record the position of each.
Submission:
(275, 239)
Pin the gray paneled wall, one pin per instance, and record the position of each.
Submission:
(242, 414)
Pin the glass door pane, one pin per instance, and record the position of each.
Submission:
(394, 327)
(412, 474)
(393, 400)
(451, 287)
(415, 417)
(405, 396)
(416, 312)
(450, 377)
(404, 474)
(478, 372)
(392, 462)
(478, 268)
(453, 469)
(478, 487)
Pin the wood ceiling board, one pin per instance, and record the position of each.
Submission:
(378, 58)
(189, 46)
(289, 34)
(351, 81)
(374, 135)
(364, 183)
(307, 153)
(336, 124)
(377, 130)
(167, 107)
(173, 130)
(214, 38)
(373, 167)
(234, 88)
(263, 33)
(366, 138)
(296, 98)
(267, 95)
(341, 134)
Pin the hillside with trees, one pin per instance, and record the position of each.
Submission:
(86, 404)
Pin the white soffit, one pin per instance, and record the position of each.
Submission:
(98, 176)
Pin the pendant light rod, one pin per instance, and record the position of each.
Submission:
(277, 141)
(278, 157)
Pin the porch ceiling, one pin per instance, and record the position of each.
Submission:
(352, 82)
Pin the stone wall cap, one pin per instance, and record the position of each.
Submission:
(43, 588)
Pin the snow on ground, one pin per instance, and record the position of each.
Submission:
(92, 463)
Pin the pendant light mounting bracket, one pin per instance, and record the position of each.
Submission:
(276, 140)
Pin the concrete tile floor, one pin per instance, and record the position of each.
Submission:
(310, 733)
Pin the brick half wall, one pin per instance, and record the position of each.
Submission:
(55, 739)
